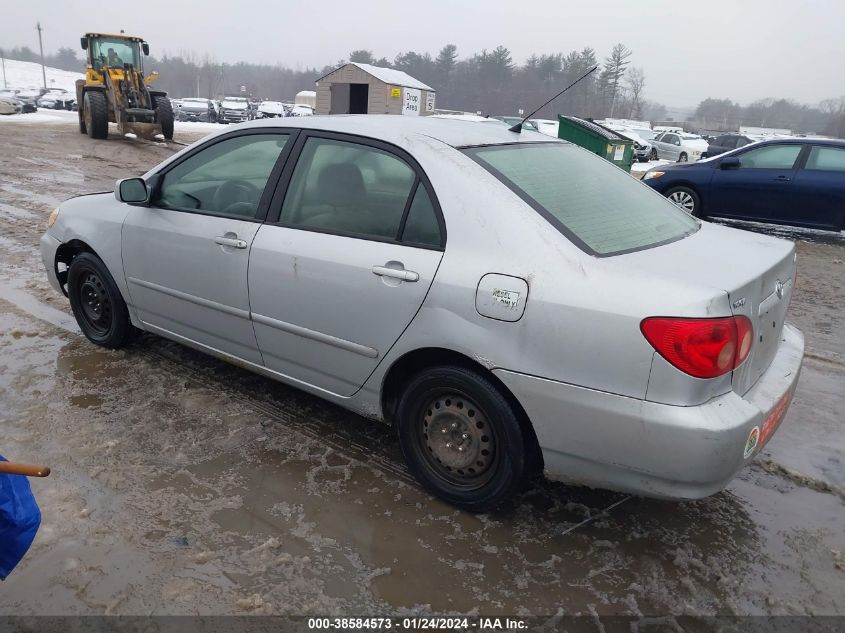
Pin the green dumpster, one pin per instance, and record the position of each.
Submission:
(597, 139)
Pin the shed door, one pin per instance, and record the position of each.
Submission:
(339, 99)
(359, 95)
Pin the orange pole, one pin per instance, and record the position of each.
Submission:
(27, 470)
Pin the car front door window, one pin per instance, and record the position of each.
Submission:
(770, 157)
(225, 179)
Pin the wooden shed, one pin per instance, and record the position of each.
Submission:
(365, 89)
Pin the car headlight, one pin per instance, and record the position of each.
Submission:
(53, 217)
(653, 174)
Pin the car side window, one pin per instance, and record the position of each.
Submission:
(672, 139)
(741, 141)
(349, 188)
(770, 157)
(826, 158)
(227, 178)
(421, 226)
(728, 141)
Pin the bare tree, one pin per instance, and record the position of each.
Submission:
(635, 81)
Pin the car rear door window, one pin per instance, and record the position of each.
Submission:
(826, 158)
(227, 178)
(599, 207)
(421, 225)
(770, 157)
(348, 188)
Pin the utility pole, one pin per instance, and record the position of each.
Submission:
(3, 60)
(41, 47)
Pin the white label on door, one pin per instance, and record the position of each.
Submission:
(411, 101)
(619, 154)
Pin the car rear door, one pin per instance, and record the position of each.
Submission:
(818, 191)
(759, 188)
(186, 256)
(352, 244)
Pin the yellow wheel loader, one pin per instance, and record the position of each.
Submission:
(115, 89)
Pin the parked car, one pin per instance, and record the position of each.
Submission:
(641, 137)
(235, 110)
(56, 99)
(678, 146)
(300, 109)
(800, 182)
(10, 105)
(271, 109)
(196, 109)
(727, 142)
(25, 100)
(509, 303)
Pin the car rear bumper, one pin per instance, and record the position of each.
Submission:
(49, 246)
(609, 441)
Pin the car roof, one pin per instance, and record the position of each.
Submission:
(396, 129)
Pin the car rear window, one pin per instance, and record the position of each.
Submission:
(599, 207)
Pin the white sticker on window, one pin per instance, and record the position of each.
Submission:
(507, 298)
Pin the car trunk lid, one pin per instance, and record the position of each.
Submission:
(755, 271)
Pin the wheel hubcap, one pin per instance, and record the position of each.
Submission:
(458, 440)
(95, 303)
(683, 200)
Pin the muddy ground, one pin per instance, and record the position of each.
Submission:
(184, 485)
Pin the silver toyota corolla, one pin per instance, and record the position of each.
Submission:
(509, 302)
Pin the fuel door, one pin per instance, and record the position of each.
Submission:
(501, 297)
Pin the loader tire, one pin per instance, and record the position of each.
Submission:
(82, 129)
(96, 115)
(164, 116)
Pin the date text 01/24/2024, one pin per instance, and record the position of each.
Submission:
(418, 623)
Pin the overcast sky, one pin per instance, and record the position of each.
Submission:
(739, 49)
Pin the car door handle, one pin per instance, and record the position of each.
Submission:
(404, 275)
(230, 241)
(782, 178)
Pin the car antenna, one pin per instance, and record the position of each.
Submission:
(518, 127)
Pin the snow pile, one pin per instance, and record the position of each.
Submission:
(28, 75)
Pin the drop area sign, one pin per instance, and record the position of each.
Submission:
(411, 101)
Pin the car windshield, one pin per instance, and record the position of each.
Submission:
(594, 203)
(114, 52)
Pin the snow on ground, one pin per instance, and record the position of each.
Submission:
(28, 75)
(639, 168)
(65, 116)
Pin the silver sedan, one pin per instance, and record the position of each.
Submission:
(508, 302)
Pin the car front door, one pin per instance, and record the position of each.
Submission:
(671, 146)
(186, 256)
(759, 188)
(818, 191)
(345, 262)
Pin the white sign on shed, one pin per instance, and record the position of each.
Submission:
(411, 101)
(429, 102)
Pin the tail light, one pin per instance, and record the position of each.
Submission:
(704, 348)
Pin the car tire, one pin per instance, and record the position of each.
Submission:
(82, 128)
(683, 157)
(461, 438)
(97, 304)
(653, 154)
(686, 198)
(96, 115)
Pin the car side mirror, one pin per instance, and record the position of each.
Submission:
(730, 162)
(146, 48)
(132, 191)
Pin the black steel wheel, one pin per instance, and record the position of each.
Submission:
(96, 302)
(683, 157)
(653, 153)
(461, 438)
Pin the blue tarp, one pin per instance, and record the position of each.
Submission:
(20, 518)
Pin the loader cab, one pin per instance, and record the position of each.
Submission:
(114, 51)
